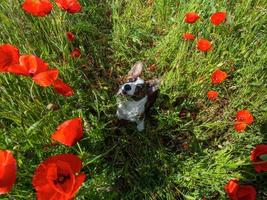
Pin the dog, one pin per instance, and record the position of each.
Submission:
(136, 96)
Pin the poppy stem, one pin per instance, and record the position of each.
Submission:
(101, 155)
(79, 147)
(31, 91)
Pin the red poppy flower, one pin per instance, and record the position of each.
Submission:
(244, 116)
(29, 65)
(9, 55)
(37, 7)
(191, 17)
(75, 53)
(204, 45)
(57, 177)
(63, 88)
(218, 18)
(188, 36)
(46, 78)
(218, 76)
(212, 95)
(69, 132)
(70, 36)
(71, 6)
(8, 170)
(259, 157)
(240, 192)
(240, 126)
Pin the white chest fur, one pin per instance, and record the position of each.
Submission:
(131, 110)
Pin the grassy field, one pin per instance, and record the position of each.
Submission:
(176, 157)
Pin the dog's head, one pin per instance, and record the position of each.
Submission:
(133, 86)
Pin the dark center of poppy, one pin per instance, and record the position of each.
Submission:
(61, 179)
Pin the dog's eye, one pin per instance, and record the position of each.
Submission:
(127, 87)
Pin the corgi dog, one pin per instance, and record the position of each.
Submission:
(136, 96)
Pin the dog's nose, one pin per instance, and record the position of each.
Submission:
(127, 87)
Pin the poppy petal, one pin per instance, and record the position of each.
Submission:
(255, 157)
(74, 161)
(78, 182)
(63, 88)
(56, 178)
(9, 55)
(246, 192)
(204, 45)
(33, 63)
(240, 126)
(75, 53)
(232, 187)
(236, 191)
(19, 70)
(191, 17)
(218, 18)
(61, 177)
(69, 132)
(47, 78)
(37, 7)
(38, 181)
(70, 36)
(244, 116)
(212, 95)
(48, 192)
(188, 36)
(8, 170)
(218, 76)
(71, 6)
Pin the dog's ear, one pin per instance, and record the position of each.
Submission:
(136, 70)
(153, 85)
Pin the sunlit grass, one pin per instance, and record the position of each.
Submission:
(112, 35)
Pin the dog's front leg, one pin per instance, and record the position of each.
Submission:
(141, 124)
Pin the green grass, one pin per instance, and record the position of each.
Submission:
(126, 164)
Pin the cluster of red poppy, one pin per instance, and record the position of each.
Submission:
(236, 191)
(42, 8)
(32, 66)
(203, 44)
(244, 118)
(76, 51)
(218, 76)
(58, 177)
